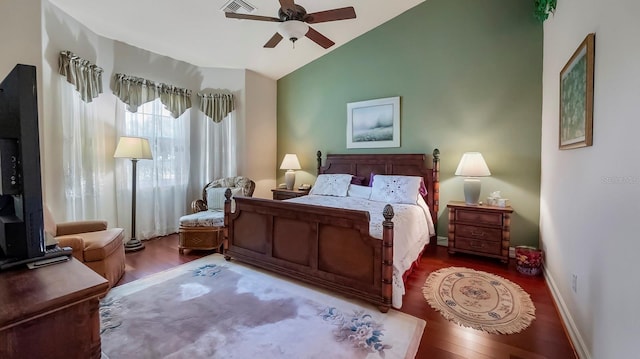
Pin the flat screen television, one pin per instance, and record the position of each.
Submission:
(21, 218)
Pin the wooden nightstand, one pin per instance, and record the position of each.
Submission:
(281, 193)
(482, 230)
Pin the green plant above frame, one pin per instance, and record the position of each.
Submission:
(543, 8)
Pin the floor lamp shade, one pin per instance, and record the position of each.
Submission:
(290, 163)
(134, 148)
(471, 166)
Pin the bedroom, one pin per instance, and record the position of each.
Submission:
(572, 240)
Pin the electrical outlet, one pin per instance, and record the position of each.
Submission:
(574, 283)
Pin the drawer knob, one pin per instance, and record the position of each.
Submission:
(478, 233)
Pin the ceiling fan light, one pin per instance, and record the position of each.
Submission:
(293, 29)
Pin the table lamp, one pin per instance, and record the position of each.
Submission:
(135, 148)
(290, 163)
(471, 166)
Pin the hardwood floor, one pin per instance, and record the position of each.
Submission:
(544, 338)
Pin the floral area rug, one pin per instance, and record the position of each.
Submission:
(211, 308)
(479, 300)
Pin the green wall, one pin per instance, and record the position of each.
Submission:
(469, 77)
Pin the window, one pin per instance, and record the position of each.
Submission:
(161, 183)
(167, 137)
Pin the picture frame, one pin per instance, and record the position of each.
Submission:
(576, 97)
(374, 123)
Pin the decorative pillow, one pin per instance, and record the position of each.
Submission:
(359, 191)
(373, 174)
(332, 185)
(396, 189)
(423, 188)
(357, 180)
(216, 198)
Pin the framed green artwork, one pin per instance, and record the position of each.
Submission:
(576, 97)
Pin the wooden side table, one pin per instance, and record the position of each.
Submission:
(282, 194)
(482, 230)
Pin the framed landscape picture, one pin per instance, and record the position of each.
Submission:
(374, 123)
(576, 97)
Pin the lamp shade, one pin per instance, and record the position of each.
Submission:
(290, 162)
(133, 147)
(472, 164)
(293, 29)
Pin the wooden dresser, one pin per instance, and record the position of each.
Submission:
(51, 312)
(482, 230)
(282, 194)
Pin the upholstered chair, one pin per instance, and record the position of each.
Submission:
(202, 229)
(246, 186)
(98, 247)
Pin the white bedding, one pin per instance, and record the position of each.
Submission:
(413, 226)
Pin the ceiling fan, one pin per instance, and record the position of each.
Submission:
(294, 22)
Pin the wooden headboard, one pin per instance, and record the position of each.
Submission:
(389, 164)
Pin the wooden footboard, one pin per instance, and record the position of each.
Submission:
(328, 247)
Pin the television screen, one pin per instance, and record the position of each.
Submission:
(21, 222)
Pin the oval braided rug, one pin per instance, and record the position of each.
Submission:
(479, 300)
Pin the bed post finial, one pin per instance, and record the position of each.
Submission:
(388, 214)
(319, 159)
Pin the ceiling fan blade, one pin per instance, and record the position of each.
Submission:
(273, 41)
(331, 15)
(319, 39)
(288, 5)
(233, 15)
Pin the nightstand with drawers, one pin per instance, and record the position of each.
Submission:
(283, 193)
(482, 230)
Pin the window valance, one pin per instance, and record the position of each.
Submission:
(81, 73)
(134, 91)
(216, 106)
(176, 100)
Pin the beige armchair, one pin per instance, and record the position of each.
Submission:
(95, 245)
(202, 229)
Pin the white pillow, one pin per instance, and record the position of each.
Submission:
(396, 189)
(359, 191)
(332, 185)
(216, 198)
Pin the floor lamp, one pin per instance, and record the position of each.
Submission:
(134, 148)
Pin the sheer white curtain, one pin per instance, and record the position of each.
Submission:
(83, 156)
(161, 182)
(219, 155)
(218, 131)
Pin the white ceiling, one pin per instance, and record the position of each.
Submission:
(197, 32)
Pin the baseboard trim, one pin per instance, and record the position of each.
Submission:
(570, 326)
(443, 241)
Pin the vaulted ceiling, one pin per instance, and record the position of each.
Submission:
(197, 31)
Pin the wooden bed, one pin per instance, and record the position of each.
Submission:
(324, 246)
